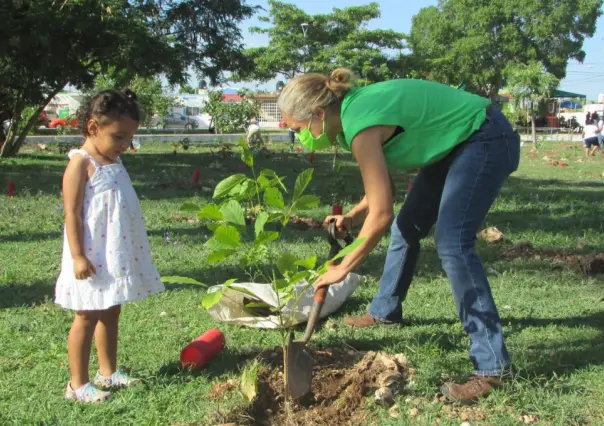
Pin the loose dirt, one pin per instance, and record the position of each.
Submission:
(343, 383)
(588, 264)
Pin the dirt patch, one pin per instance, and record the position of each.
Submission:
(304, 223)
(343, 383)
(588, 264)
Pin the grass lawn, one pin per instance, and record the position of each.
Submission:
(553, 318)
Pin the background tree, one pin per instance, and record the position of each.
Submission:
(530, 84)
(232, 117)
(471, 42)
(339, 38)
(153, 98)
(186, 89)
(81, 39)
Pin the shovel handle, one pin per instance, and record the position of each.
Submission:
(314, 313)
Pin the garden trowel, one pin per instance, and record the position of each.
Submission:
(299, 363)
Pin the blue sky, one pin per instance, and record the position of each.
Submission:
(586, 78)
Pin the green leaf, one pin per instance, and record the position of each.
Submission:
(264, 181)
(274, 178)
(232, 212)
(210, 211)
(225, 186)
(257, 305)
(272, 217)
(227, 237)
(261, 220)
(181, 280)
(219, 255)
(287, 263)
(246, 153)
(302, 182)
(213, 226)
(189, 207)
(274, 198)
(266, 237)
(248, 188)
(308, 263)
(281, 284)
(249, 381)
(306, 202)
(300, 276)
(210, 299)
(227, 283)
(268, 173)
(349, 248)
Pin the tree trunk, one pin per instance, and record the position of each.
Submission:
(11, 146)
(13, 142)
(534, 128)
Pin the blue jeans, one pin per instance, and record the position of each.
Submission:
(456, 194)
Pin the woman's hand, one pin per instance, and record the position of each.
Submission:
(335, 274)
(83, 268)
(343, 224)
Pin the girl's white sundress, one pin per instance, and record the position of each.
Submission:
(115, 241)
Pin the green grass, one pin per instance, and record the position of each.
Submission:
(553, 318)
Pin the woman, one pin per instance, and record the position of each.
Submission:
(465, 149)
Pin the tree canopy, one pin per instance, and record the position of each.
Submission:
(48, 44)
(474, 42)
(299, 42)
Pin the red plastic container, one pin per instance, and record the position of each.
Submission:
(197, 353)
(195, 178)
(11, 189)
(336, 209)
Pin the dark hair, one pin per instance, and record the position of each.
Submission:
(109, 105)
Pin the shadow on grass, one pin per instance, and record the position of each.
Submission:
(25, 295)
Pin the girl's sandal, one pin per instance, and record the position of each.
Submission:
(86, 393)
(119, 379)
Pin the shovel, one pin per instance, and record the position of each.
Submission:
(299, 363)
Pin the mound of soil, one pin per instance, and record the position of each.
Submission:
(342, 384)
(588, 264)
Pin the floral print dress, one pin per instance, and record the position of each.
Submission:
(115, 241)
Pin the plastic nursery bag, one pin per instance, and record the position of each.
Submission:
(249, 303)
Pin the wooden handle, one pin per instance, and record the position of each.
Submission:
(320, 294)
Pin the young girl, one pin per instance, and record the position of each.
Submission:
(106, 256)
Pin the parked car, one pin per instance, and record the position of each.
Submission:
(63, 123)
(175, 120)
(43, 119)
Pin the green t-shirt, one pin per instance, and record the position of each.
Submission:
(435, 118)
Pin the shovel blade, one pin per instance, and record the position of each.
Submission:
(298, 372)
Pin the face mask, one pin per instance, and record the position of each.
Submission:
(312, 143)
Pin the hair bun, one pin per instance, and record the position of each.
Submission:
(129, 94)
(341, 75)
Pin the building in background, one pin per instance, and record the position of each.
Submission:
(64, 104)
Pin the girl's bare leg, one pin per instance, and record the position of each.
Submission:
(79, 343)
(105, 337)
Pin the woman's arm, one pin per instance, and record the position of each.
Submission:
(367, 150)
(356, 216)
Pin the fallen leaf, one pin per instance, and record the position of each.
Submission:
(393, 412)
(528, 419)
(491, 235)
(249, 381)
(413, 412)
(491, 271)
